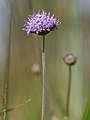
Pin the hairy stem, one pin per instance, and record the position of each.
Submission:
(43, 80)
(68, 93)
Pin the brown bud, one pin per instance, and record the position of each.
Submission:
(70, 59)
(36, 69)
(54, 118)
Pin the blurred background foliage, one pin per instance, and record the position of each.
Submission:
(20, 53)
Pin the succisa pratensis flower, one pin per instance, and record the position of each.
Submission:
(41, 23)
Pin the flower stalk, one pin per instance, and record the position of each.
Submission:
(43, 78)
(68, 93)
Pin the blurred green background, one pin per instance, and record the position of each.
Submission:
(19, 53)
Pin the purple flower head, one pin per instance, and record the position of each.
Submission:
(41, 23)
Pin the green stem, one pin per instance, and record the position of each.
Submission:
(68, 93)
(43, 80)
(6, 79)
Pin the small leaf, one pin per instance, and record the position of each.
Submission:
(87, 112)
(13, 108)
